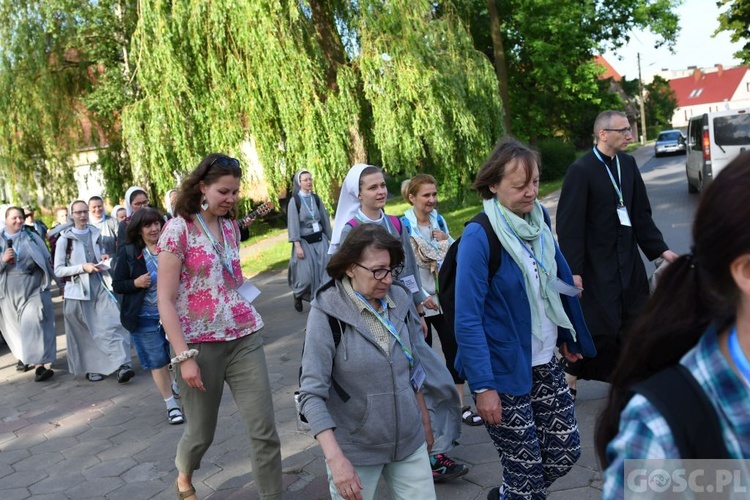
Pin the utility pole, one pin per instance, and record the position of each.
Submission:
(643, 98)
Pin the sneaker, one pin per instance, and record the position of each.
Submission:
(22, 367)
(496, 493)
(297, 304)
(443, 468)
(125, 373)
(43, 374)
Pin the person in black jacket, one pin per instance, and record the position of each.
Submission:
(135, 279)
(603, 217)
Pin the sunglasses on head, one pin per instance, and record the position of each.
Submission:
(225, 161)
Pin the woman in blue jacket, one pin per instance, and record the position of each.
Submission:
(135, 279)
(509, 325)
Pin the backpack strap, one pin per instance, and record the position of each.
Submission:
(496, 248)
(441, 224)
(405, 223)
(683, 403)
(337, 329)
(396, 223)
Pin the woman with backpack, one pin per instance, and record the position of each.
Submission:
(430, 241)
(362, 199)
(309, 232)
(698, 320)
(135, 280)
(509, 325)
(98, 345)
(27, 318)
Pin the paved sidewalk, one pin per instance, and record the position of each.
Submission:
(70, 439)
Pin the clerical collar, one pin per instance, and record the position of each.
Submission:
(607, 159)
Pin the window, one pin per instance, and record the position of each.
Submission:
(732, 130)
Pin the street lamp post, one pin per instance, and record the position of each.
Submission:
(643, 98)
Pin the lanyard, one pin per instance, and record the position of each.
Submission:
(227, 260)
(383, 318)
(618, 190)
(739, 358)
(501, 210)
(311, 207)
(152, 264)
(363, 219)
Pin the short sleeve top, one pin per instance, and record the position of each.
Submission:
(209, 307)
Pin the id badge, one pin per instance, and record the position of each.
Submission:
(411, 283)
(563, 288)
(622, 214)
(248, 291)
(417, 376)
(316, 227)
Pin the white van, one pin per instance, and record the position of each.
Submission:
(714, 139)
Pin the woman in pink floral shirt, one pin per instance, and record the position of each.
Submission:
(213, 329)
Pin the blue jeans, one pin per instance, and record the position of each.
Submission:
(408, 478)
(150, 343)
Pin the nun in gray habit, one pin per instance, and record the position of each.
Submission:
(309, 231)
(27, 318)
(98, 344)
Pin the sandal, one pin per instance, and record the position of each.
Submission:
(469, 417)
(182, 495)
(94, 377)
(175, 416)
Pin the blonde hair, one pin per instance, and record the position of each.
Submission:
(411, 186)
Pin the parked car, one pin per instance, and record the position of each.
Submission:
(714, 139)
(669, 141)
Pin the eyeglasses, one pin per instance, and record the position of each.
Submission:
(225, 161)
(381, 273)
(626, 130)
(80, 212)
(139, 204)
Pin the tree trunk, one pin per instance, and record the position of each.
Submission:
(501, 68)
(328, 37)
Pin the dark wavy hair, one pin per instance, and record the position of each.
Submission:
(695, 291)
(208, 171)
(140, 219)
(360, 238)
(506, 150)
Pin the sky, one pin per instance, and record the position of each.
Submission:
(695, 46)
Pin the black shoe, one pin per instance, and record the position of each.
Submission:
(21, 367)
(43, 374)
(495, 494)
(298, 304)
(125, 373)
(443, 468)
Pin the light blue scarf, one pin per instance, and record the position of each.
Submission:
(531, 228)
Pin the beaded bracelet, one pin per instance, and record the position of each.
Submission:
(184, 355)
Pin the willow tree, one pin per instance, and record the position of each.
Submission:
(61, 86)
(404, 89)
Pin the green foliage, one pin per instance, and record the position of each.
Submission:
(736, 20)
(660, 103)
(557, 155)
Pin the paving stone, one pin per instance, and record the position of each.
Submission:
(15, 493)
(12, 456)
(12, 425)
(95, 487)
(144, 472)
(110, 468)
(54, 445)
(100, 433)
(23, 479)
(38, 461)
(56, 484)
(137, 489)
(124, 450)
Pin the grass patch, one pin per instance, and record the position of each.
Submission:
(270, 250)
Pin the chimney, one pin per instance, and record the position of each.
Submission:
(719, 70)
(697, 74)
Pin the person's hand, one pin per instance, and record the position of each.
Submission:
(578, 282)
(429, 438)
(9, 255)
(105, 257)
(489, 407)
(299, 252)
(345, 478)
(143, 281)
(572, 357)
(191, 374)
(439, 235)
(424, 326)
(669, 256)
(90, 268)
(431, 303)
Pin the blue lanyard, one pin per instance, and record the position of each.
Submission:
(739, 358)
(386, 322)
(618, 190)
(152, 264)
(501, 210)
(311, 207)
(227, 260)
(366, 220)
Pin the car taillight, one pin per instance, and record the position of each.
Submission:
(706, 146)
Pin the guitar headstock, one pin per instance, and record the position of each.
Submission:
(264, 209)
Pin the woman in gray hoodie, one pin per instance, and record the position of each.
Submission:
(361, 393)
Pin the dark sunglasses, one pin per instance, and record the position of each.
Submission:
(225, 161)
